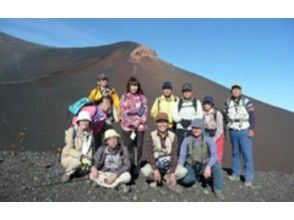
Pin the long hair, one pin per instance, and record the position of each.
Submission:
(134, 81)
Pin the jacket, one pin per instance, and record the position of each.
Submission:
(162, 104)
(133, 112)
(119, 156)
(96, 95)
(74, 143)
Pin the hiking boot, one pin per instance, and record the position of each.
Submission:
(153, 184)
(123, 188)
(177, 189)
(233, 178)
(219, 195)
(65, 178)
(248, 184)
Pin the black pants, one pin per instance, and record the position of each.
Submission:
(134, 146)
(181, 135)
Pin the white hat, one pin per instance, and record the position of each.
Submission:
(110, 133)
(83, 115)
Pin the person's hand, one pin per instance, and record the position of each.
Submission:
(157, 176)
(207, 172)
(251, 133)
(172, 179)
(94, 172)
(111, 178)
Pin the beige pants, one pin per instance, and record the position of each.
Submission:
(70, 164)
(147, 171)
(101, 180)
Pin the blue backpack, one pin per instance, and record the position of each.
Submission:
(78, 105)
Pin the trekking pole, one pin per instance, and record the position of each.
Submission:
(136, 156)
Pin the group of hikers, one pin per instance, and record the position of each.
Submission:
(186, 147)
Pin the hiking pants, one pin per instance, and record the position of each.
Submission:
(101, 179)
(134, 144)
(193, 176)
(70, 164)
(242, 146)
(147, 171)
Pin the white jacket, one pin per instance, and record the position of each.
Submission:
(187, 112)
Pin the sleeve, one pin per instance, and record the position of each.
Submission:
(175, 113)
(183, 152)
(126, 162)
(143, 118)
(174, 156)
(116, 101)
(69, 145)
(154, 109)
(213, 152)
(251, 112)
(219, 126)
(98, 158)
(92, 94)
(122, 113)
(150, 153)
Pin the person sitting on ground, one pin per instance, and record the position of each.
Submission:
(214, 125)
(111, 162)
(77, 152)
(162, 156)
(199, 156)
(165, 103)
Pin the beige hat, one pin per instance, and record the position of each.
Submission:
(83, 115)
(110, 133)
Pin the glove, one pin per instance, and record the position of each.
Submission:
(185, 123)
(86, 161)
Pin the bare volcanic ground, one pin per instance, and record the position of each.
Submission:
(34, 176)
(38, 83)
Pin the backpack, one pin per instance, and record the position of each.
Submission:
(181, 101)
(78, 105)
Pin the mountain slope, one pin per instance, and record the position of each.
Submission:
(37, 88)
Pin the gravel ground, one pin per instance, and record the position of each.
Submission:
(34, 176)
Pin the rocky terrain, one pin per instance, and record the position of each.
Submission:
(34, 176)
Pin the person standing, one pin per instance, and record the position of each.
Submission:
(133, 116)
(241, 125)
(214, 125)
(187, 109)
(165, 103)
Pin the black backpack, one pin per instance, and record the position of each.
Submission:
(181, 101)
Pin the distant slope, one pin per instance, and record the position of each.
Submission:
(34, 96)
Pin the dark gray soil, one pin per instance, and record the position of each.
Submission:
(34, 176)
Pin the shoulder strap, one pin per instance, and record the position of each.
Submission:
(195, 103)
(180, 104)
